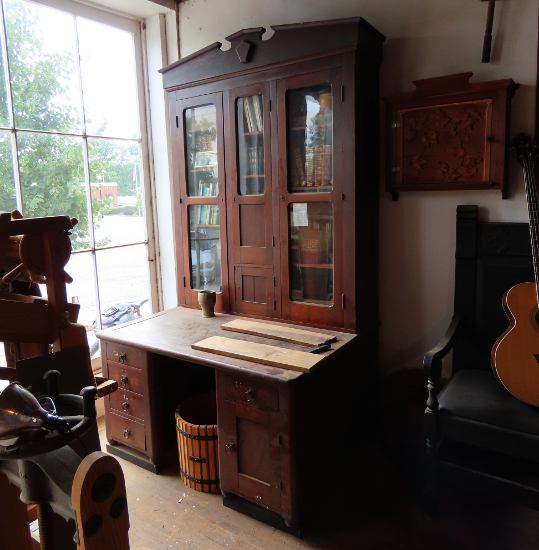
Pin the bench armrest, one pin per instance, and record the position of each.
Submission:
(432, 364)
(432, 360)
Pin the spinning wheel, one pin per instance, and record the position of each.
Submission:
(33, 255)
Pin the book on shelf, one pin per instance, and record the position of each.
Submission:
(208, 214)
(252, 114)
(313, 168)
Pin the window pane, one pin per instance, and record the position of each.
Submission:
(4, 118)
(124, 284)
(250, 120)
(311, 252)
(42, 55)
(117, 192)
(310, 139)
(82, 291)
(109, 81)
(52, 180)
(205, 246)
(8, 201)
(201, 151)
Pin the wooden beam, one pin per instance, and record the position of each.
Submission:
(170, 4)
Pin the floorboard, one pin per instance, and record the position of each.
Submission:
(379, 510)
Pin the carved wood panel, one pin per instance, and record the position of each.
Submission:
(445, 143)
(449, 134)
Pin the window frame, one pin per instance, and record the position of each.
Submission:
(134, 26)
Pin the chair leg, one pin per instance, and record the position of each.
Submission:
(431, 469)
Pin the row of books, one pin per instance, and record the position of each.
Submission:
(316, 244)
(208, 189)
(255, 160)
(253, 113)
(313, 168)
(208, 214)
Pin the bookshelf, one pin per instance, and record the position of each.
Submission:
(275, 174)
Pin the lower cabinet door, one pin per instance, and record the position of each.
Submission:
(250, 454)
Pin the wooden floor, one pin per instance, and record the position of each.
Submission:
(374, 508)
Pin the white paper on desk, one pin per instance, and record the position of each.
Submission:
(299, 214)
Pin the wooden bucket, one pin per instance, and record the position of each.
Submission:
(197, 443)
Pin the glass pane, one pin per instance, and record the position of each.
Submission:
(124, 284)
(310, 139)
(82, 291)
(52, 180)
(109, 81)
(42, 54)
(250, 120)
(205, 246)
(8, 199)
(4, 118)
(201, 151)
(117, 192)
(311, 252)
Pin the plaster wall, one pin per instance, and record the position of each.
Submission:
(425, 38)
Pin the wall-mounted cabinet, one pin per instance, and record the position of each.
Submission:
(274, 155)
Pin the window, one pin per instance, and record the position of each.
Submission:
(72, 142)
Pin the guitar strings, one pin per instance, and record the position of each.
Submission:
(528, 163)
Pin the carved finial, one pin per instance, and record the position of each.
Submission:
(243, 49)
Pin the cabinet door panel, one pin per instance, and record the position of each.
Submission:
(249, 195)
(249, 452)
(254, 290)
(311, 184)
(202, 199)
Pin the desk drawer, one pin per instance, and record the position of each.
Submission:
(246, 392)
(126, 355)
(127, 432)
(127, 402)
(128, 378)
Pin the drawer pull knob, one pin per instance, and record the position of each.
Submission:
(249, 395)
(127, 433)
(125, 404)
(124, 379)
(122, 357)
(230, 447)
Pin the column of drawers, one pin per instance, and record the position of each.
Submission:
(127, 409)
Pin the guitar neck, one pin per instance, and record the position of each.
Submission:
(528, 165)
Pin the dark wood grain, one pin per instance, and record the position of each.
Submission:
(423, 155)
(348, 60)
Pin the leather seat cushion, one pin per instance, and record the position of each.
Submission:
(478, 396)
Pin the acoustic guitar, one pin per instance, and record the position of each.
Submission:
(515, 355)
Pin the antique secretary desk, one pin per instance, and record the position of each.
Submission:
(274, 156)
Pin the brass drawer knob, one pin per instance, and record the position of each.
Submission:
(124, 379)
(122, 357)
(125, 403)
(127, 432)
(230, 447)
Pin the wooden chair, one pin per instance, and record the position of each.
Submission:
(473, 426)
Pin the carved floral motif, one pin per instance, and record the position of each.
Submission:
(445, 143)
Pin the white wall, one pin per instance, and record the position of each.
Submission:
(425, 38)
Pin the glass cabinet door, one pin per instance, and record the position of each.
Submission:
(250, 235)
(310, 209)
(202, 198)
(250, 143)
(201, 151)
(205, 247)
(311, 252)
(310, 139)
